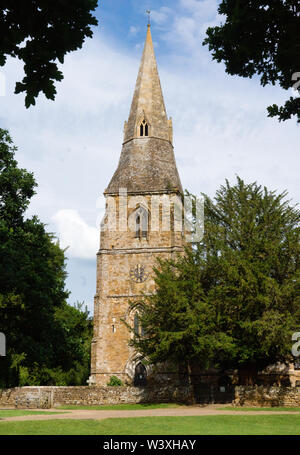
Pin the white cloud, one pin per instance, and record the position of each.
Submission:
(133, 30)
(203, 9)
(74, 233)
(161, 16)
(188, 23)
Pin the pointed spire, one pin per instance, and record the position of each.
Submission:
(148, 102)
(147, 163)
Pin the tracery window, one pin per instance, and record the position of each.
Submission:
(144, 129)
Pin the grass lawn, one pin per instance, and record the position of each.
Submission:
(274, 409)
(206, 425)
(123, 407)
(21, 412)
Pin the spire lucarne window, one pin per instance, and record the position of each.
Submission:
(144, 129)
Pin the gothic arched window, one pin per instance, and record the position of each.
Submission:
(144, 129)
(136, 324)
(138, 328)
(141, 223)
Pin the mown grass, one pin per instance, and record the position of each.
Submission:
(273, 409)
(21, 412)
(206, 425)
(122, 407)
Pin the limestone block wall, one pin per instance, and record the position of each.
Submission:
(267, 396)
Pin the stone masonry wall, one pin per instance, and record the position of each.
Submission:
(120, 254)
(49, 397)
(267, 396)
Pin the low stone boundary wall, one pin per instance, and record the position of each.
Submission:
(267, 396)
(49, 397)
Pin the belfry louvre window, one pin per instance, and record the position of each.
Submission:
(141, 223)
(144, 129)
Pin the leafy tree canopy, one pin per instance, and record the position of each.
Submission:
(232, 301)
(260, 37)
(46, 338)
(41, 33)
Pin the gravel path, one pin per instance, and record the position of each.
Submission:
(210, 410)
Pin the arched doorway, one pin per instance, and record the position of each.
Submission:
(140, 375)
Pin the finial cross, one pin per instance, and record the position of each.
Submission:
(149, 16)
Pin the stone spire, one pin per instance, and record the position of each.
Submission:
(148, 102)
(147, 162)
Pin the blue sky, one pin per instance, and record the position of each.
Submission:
(73, 145)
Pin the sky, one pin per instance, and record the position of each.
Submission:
(72, 145)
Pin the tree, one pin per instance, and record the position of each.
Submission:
(44, 335)
(260, 37)
(178, 321)
(73, 344)
(72, 329)
(233, 300)
(40, 34)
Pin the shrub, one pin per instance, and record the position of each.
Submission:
(115, 382)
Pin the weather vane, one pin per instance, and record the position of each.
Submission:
(149, 16)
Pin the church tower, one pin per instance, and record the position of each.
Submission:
(138, 226)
